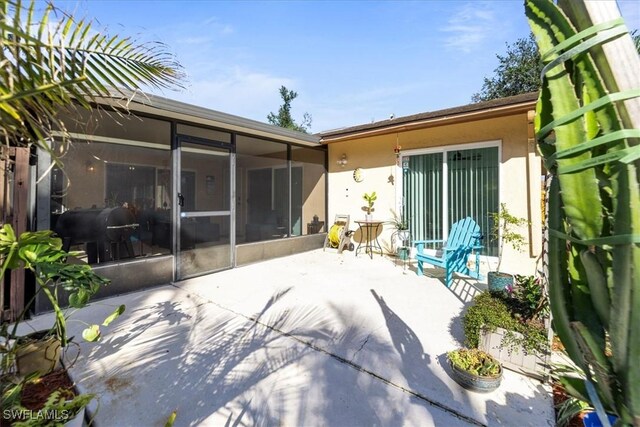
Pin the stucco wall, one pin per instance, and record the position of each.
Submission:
(519, 175)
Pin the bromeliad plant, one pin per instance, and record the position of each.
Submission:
(585, 135)
(42, 254)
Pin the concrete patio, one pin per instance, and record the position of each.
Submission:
(307, 340)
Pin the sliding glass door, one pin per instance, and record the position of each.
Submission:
(443, 187)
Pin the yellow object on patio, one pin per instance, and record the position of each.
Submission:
(338, 236)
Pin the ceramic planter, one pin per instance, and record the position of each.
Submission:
(499, 282)
(403, 236)
(591, 419)
(38, 352)
(77, 421)
(475, 382)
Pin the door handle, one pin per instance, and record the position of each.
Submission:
(180, 200)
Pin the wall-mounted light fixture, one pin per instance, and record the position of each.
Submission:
(89, 166)
(342, 161)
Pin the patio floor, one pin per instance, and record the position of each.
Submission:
(307, 340)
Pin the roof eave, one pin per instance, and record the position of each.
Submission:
(156, 105)
(489, 113)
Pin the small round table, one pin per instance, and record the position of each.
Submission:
(369, 230)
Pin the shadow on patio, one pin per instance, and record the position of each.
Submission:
(312, 339)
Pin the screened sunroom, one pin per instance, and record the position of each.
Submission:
(172, 191)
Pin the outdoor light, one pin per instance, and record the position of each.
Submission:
(343, 160)
(90, 167)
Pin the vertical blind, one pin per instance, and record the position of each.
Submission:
(470, 186)
(423, 196)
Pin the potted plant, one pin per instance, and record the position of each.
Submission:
(504, 231)
(370, 199)
(512, 326)
(475, 370)
(41, 253)
(401, 234)
(49, 400)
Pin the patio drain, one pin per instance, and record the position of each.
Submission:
(355, 366)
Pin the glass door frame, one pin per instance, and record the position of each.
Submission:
(444, 149)
(178, 215)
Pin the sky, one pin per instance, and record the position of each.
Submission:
(351, 62)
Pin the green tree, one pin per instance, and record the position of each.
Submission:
(518, 72)
(50, 61)
(283, 118)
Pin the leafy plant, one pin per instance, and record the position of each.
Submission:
(529, 296)
(370, 199)
(594, 200)
(53, 62)
(41, 253)
(504, 230)
(489, 312)
(475, 362)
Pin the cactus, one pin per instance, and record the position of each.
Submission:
(594, 242)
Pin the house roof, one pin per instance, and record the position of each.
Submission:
(157, 105)
(479, 110)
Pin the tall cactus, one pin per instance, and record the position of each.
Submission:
(594, 235)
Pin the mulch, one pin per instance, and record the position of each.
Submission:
(35, 394)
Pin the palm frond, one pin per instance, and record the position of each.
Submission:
(49, 61)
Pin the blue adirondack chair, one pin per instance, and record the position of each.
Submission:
(464, 238)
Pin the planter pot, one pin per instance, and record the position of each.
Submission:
(475, 382)
(403, 253)
(37, 352)
(533, 365)
(591, 419)
(499, 282)
(77, 421)
(403, 236)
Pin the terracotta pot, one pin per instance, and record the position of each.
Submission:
(37, 352)
(475, 382)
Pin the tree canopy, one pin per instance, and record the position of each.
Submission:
(518, 72)
(284, 118)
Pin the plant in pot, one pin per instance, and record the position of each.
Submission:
(505, 231)
(49, 400)
(511, 326)
(475, 370)
(370, 199)
(41, 254)
(401, 234)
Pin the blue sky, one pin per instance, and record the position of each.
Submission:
(351, 62)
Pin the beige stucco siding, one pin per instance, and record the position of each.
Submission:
(519, 174)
